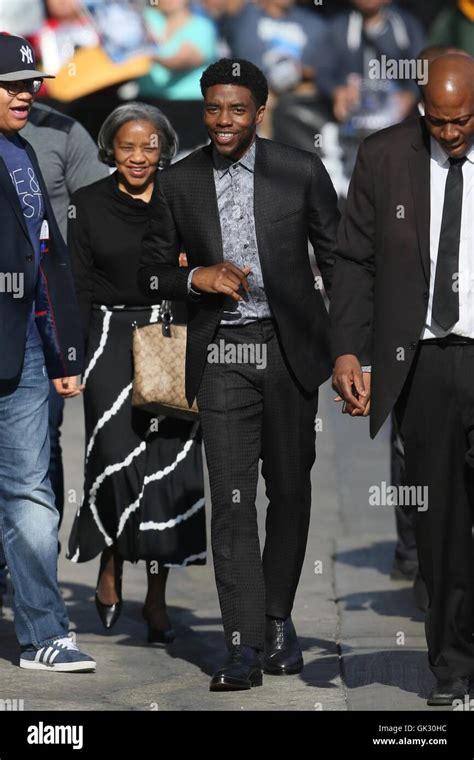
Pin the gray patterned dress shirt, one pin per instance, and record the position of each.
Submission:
(234, 190)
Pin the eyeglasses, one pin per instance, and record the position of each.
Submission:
(28, 85)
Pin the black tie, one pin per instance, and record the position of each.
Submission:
(446, 289)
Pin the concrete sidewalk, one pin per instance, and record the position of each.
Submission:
(351, 618)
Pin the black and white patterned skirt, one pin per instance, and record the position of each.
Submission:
(143, 478)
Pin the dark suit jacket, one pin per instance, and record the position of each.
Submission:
(381, 278)
(293, 199)
(57, 315)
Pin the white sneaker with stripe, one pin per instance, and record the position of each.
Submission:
(61, 655)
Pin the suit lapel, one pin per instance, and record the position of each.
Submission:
(10, 192)
(263, 190)
(205, 203)
(419, 160)
(263, 182)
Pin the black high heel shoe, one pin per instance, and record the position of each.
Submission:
(110, 613)
(156, 635)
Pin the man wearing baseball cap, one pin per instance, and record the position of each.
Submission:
(40, 336)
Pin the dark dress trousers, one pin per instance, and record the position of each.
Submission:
(249, 413)
(378, 309)
(57, 314)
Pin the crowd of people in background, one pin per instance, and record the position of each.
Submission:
(314, 56)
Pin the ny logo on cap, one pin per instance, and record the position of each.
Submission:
(26, 54)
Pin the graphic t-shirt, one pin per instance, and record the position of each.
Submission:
(29, 193)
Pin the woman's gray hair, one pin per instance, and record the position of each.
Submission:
(137, 112)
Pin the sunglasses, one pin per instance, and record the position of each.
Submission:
(28, 85)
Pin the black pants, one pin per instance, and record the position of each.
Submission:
(405, 517)
(436, 417)
(249, 413)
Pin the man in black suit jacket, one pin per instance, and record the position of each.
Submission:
(243, 209)
(40, 335)
(402, 305)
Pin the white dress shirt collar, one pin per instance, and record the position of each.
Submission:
(442, 158)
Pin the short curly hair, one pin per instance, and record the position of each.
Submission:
(137, 111)
(236, 71)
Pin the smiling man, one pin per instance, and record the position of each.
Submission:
(40, 335)
(403, 302)
(243, 209)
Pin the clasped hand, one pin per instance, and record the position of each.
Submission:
(352, 386)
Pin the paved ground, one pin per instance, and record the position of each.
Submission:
(362, 637)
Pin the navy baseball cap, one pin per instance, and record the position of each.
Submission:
(17, 60)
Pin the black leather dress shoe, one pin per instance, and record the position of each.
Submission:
(242, 670)
(447, 690)
(283, 656)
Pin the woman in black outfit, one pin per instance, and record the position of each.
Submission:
(143, 484)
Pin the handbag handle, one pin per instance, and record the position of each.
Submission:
(166, 317)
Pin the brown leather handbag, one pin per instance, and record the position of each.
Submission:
(159, 352)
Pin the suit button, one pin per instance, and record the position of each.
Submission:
(426, 295)
(29, 257)
(412, 345)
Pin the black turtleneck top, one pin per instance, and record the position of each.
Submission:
(105, 231)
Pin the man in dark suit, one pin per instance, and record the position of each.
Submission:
(402, 303)
(243, 209)
(40, 335)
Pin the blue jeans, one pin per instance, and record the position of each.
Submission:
(56, 472)
(28, 516)
(3, 572)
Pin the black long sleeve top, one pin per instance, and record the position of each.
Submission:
(105, 232)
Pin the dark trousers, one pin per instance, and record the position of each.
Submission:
(436, 417)
(249, 414)
(405, 517)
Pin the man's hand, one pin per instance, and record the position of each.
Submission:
(352, 385)
(68, 387)
(221, 278)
